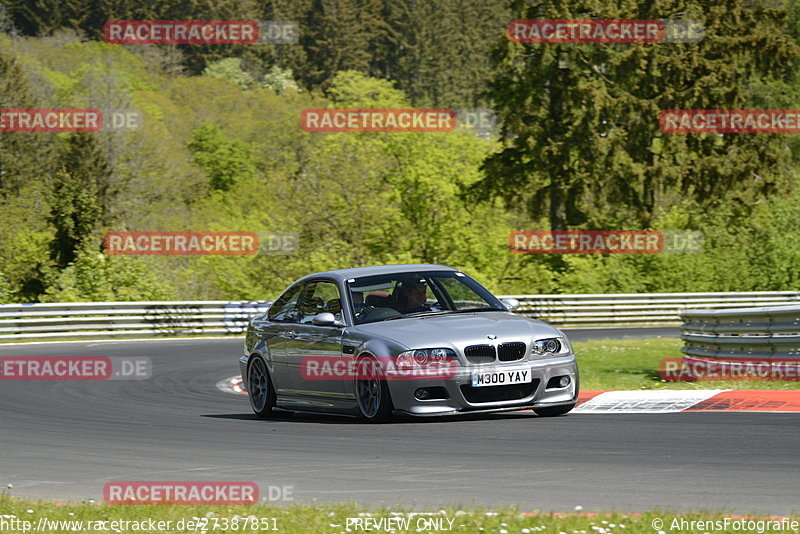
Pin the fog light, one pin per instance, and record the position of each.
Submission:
(431, 393)
(558, 382)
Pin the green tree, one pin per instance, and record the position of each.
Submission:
(279, 80)
(583, 144)
(225, 161)
(95, 277)
(230, 69)
(5, 290)
(75, 215)
(439, 52)
(26, 237)
(340, 35)
(351, 88)
(23, 156)
(36, 17)
(79, 196)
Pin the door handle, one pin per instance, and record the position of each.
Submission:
(291, 334)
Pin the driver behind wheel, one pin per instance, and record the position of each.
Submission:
(410, 295)
(358, 301)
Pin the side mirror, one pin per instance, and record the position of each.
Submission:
(324, 319)
(510, 304)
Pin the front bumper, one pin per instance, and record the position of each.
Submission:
(463, 398)
(243, 367)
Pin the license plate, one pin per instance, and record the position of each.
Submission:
(501, 378)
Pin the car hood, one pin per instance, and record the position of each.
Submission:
(460, 330)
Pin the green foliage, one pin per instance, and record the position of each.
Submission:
(581, 120)
(25, 242)
(6, 292)
(230, 69)
(46, 17)
(96, 277)
(79, 196)
(340, 35)
(216, 155)
(23, 156)
(226, 161)
(439, 51)
(351, 89)
(279, 80)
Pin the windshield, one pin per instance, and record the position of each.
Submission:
(392, 296)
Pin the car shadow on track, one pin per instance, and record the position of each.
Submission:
(348, 420)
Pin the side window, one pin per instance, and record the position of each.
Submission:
(319, 297)
(284, 310)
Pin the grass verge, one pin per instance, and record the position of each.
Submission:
(615, 364)
(333, 519)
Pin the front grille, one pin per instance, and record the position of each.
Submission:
(509, 352)
(498, 393)
(505, 352)
(480, 354)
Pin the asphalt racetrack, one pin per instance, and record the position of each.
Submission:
(63, 440)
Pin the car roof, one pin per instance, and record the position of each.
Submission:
(358, 272)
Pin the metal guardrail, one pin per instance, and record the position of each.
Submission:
(137, 319)
(128, 319)
(638, 309)
(763, 332)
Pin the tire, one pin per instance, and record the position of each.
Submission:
(554, 411)
(260, 390)
(372, 395)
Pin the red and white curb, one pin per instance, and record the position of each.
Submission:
(233, 385)
(689, 400)
(655, 401)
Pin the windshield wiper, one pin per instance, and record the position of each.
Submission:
(419, 314)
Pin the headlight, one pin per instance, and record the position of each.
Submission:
(554, 345)
(425, 357)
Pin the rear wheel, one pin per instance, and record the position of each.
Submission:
(553, 411)
(259, 388)
(372, 392)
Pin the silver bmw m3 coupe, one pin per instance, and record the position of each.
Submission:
(423, 340)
